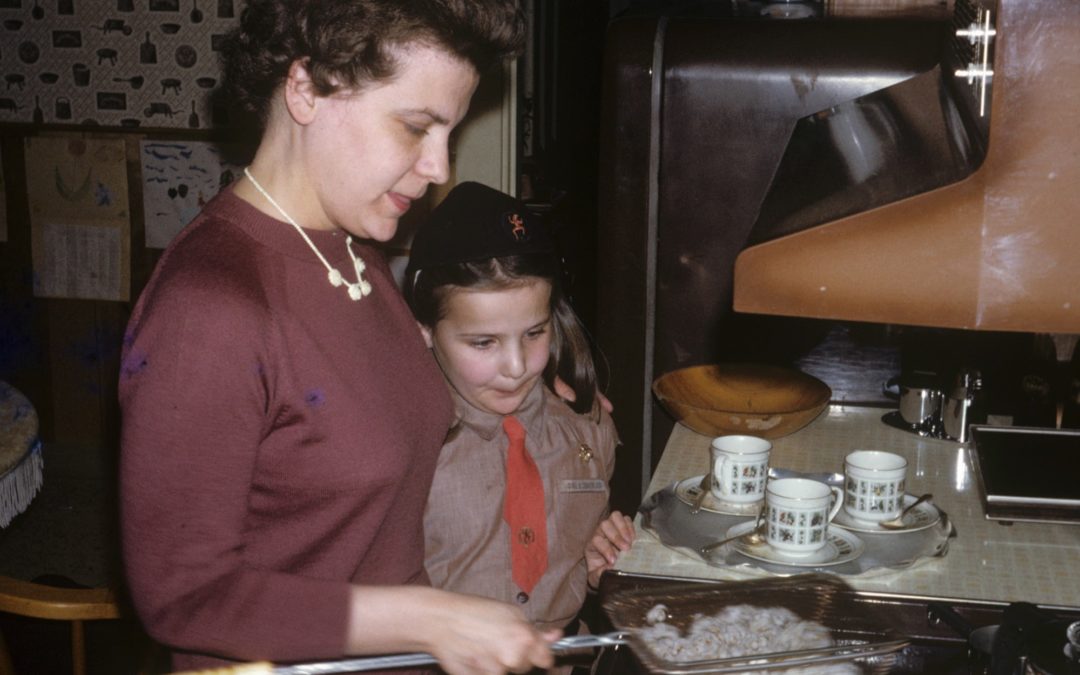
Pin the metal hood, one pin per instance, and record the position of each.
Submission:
(997, 250)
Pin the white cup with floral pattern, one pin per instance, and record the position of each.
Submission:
(874, 485)
(740, 465)
(797, 515)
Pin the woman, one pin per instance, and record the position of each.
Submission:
(281, 414)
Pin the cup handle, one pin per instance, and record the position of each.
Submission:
(838, 501)
(718, 475)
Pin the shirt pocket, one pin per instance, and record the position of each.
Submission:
(580, 504)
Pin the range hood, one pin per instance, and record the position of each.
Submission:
(997, 248)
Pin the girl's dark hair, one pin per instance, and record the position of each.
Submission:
(571, 354)
(348, 43)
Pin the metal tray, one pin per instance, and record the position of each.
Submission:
(863, 639)
(664, 514)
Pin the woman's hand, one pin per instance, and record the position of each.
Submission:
(485, 636)
(465, 633)
(613, 536)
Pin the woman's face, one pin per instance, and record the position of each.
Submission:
(493, 345)
(369, 155)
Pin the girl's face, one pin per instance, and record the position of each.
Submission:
(369, 155)
(493, 344)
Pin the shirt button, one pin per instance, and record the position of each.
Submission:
(522, 597)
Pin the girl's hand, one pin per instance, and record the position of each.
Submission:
(613, 536)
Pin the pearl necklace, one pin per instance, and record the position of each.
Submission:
(358, 290)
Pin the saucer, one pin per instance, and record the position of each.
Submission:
(919, 518)
(840, 548)
(687, 491)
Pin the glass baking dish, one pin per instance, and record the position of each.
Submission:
(863, 641)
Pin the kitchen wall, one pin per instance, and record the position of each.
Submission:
(61, 348)
(125, 71)
(113, 62)
(129, 74)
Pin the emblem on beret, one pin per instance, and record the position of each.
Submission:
(517, 227)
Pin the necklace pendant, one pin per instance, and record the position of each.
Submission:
(356, 291)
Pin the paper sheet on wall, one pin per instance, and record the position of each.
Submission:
(179, 177)
(85, 260)
(79, 217)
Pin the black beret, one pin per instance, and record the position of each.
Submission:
(476, 222)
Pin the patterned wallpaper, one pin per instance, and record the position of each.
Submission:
(113, 63)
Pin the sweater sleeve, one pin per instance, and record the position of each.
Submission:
(195, 394)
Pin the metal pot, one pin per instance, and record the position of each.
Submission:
(963, 407)
(919, 397)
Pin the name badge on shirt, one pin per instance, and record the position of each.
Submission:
(584, 485)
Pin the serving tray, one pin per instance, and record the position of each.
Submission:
(668, 517)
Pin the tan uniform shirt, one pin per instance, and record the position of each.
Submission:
(468, 542)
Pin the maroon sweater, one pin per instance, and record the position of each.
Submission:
(279, 440)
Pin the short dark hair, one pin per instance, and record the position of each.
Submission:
(571, 353)
(348, 43)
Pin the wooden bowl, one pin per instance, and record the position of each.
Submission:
(758, 400)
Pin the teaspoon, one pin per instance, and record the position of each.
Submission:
(752, 537)
(897, 523)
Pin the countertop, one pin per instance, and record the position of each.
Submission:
(987, 561)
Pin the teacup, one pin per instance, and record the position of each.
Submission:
(798, 512)
(874, 485)
(740, 465)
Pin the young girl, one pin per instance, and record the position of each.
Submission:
(482, 283)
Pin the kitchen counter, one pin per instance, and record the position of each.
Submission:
(987, 561)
